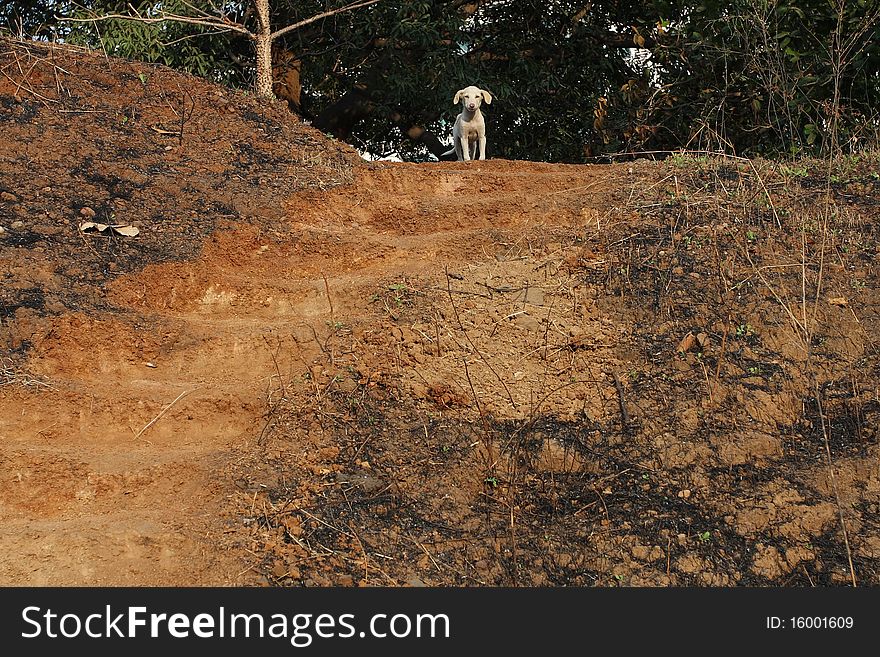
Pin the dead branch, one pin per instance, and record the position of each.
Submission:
(624, 414)
(163, 411)
(475, 348)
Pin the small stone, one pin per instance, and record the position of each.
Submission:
(527, 322)
(530, 294)
(87, 212)
(641, 552)
(7, 196)
(15, 225)
(686, 493)
(372, 485)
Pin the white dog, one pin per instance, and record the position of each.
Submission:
(470, 128)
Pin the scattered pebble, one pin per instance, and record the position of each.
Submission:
(7, 196)
(87, 212)
(527, 322)
(15, 225)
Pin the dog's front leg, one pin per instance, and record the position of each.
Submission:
(465, 147)
(482, 148)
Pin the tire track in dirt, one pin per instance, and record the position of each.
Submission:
(124, 464)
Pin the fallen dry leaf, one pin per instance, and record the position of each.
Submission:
(686, 342)
(120, 229)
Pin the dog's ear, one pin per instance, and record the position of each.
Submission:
(487, 97)
(457, 96)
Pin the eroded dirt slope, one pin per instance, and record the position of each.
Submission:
(310, 370)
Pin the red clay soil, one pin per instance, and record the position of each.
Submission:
(307, 369)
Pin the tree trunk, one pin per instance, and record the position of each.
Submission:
(286, 71)
(263, 48)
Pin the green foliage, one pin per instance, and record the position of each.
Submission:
(189, 48)
(773, 77)
(34, 18)
(571, 80)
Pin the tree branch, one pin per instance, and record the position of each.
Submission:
(223, 24)
(326, 14)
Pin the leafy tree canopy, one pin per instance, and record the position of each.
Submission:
(573, 80)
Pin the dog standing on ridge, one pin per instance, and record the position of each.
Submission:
(469, 130)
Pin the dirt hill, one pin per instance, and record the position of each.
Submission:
(307, 369)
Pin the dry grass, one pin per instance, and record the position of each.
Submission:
(825, 206)
(13, 375)
(557, 432)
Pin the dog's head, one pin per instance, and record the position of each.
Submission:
(471, 97)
